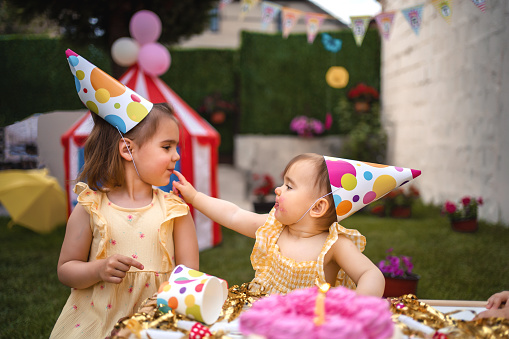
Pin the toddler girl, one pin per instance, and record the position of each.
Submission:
(124, 237)
(301, 241)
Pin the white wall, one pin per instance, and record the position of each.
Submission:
(445, 102)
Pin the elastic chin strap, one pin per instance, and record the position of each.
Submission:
(128, 150)
(313, 204)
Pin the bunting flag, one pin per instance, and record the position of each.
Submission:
(246, 6)
(481, 4)
(444, 8)
(359, 27)
(313, 23)
(289, 19)
(331, 44)
(384, 22)
(414, 17)
(223, 3)
(269, 12)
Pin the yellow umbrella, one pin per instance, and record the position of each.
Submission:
(33, 199)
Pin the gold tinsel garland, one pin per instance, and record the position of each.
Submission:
(149, 316)
(410, 306)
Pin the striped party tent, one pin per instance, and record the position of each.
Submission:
(199, 143)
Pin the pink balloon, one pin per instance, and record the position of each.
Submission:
(145, 27)
(154, 59)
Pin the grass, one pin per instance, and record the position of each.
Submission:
(452, 265)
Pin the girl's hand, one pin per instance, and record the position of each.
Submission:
(114, 268)
(496, 307)
(183, 187)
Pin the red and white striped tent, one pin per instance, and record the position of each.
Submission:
(199, 143)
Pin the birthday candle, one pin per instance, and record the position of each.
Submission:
(320, 304)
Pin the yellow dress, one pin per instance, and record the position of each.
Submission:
(275, 273)
(145, 234)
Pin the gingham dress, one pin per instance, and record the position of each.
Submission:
(275, 273)
(145, 234)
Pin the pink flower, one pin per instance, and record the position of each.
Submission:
(134, 256)
(328, 121)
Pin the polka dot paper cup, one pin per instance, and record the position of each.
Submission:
(195, 294)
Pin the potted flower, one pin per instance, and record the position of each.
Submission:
(263, 187)
(308, 127)
(463, 216)
(363, 95)
(399, 278)
(398, 203)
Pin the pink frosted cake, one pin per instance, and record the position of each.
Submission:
(347, 315)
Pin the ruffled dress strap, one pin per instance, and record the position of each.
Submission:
(91, 201)
(335, 230)
(266, 236)
(174, 207)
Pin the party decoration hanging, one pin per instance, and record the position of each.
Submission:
(269, 12)
(331, 44)
(359, 27)
(124, 51)
(444, 7)
(223, 3)
(414, 17)
(106, 96)
(246, 6)
(354, 184)
(313, 23)
(384, 22)
(481, 4)
(152, 57)
(337, 77)
(289, 18)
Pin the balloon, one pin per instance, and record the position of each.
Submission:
(337, 77)
(154, 58)
(145, 27)
(124, 51)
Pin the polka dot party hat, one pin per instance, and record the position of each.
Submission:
(355, 184)
(104, 95)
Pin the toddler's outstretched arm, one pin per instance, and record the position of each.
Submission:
(74, 269)
(221, 211)
(498, 306)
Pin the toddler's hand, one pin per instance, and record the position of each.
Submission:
(183, 187)
(496, 307)
(114, 268)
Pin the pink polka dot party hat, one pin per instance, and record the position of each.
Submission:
(104, 95)
(355, 184)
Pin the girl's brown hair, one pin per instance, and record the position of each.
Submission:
(322, 182)
(103, 163)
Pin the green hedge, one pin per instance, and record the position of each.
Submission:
(271, 79)
(283, 78)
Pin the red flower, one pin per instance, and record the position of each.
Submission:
(450, 207)
(465, 201)
(480, 201)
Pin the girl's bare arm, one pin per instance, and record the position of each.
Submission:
(186, 242)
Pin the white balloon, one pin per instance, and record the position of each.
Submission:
(124, 51)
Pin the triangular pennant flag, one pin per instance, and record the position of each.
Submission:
(269, 12)
(414, 17)
(246, 6)
(223, 3)
(313, 23)
(384, 22)
(481, 4)
(331, 44)
(289, 19)
(444, 7)
(359, 27)
(354, 184)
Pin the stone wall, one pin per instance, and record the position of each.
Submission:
(445, 102)
(270, 153)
